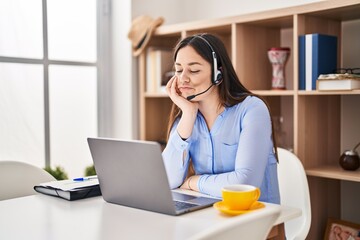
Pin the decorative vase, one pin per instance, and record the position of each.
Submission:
(278, 58)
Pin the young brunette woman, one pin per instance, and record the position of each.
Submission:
(217, 127)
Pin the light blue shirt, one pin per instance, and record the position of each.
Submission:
(237, 150)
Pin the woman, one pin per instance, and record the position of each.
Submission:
(217, 126)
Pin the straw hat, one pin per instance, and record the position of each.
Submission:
(141, 31)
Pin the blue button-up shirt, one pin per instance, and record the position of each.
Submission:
(238, 149)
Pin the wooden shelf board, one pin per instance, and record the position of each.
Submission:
(344, 13)
(316, 92)
(334, 172)
(156, 95)
(274, 92)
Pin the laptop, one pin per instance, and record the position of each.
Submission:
(132, 173)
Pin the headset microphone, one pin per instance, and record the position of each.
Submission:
(195, 95)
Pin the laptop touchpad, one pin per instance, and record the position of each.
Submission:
(193, 199)
(203, 200)
(181, 196)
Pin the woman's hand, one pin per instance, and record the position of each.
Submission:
(175, 95)
(191, 183)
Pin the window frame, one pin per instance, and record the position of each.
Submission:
(102, 64)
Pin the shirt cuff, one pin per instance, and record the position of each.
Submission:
(177, 142)
(201, 181)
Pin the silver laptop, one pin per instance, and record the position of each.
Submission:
(132, 173)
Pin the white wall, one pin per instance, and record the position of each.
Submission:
(170, 10)
(176, 11)
(124, 95)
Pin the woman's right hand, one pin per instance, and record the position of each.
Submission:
(175, 95)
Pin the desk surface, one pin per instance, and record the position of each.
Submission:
(45, 217)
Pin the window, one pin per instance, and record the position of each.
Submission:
(49, 75)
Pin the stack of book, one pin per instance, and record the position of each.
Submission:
(317, 55)
(338, 82)
(159, 69)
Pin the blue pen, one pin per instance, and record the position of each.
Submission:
(84, 179)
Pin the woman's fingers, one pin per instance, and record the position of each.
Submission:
(168, 85)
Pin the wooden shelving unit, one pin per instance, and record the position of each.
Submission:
(311, 118)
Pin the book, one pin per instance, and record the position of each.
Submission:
(158, 63)
(333, 82)
(317, 55)
(302, 63)
(71, 189)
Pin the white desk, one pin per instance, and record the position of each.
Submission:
(44, 217)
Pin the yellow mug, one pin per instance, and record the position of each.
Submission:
(240, 196)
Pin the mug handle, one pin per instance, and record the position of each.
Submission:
(258, 193)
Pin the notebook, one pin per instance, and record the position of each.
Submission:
(132, 173)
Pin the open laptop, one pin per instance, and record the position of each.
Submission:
(132, 173)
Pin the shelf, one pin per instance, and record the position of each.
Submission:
(334, 172)
(343, 13)
(274, 92)
(316, 92)
(156, 95)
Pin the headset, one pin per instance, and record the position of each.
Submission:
(216, 75)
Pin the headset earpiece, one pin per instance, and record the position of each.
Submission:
(217, 75)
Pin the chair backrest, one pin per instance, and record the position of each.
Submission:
(17, 179)
(254, 225)
(294, 192)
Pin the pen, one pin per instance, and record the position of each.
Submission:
(84, 179)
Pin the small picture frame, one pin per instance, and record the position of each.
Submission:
(342, 230)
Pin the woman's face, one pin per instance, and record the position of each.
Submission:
(193, 72)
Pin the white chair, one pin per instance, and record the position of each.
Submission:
(294, 192)
(255, 225)
(17, 179)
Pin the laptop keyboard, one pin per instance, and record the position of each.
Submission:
(183, 205)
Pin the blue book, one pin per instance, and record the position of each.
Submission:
(302, 62)
(317, 55)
